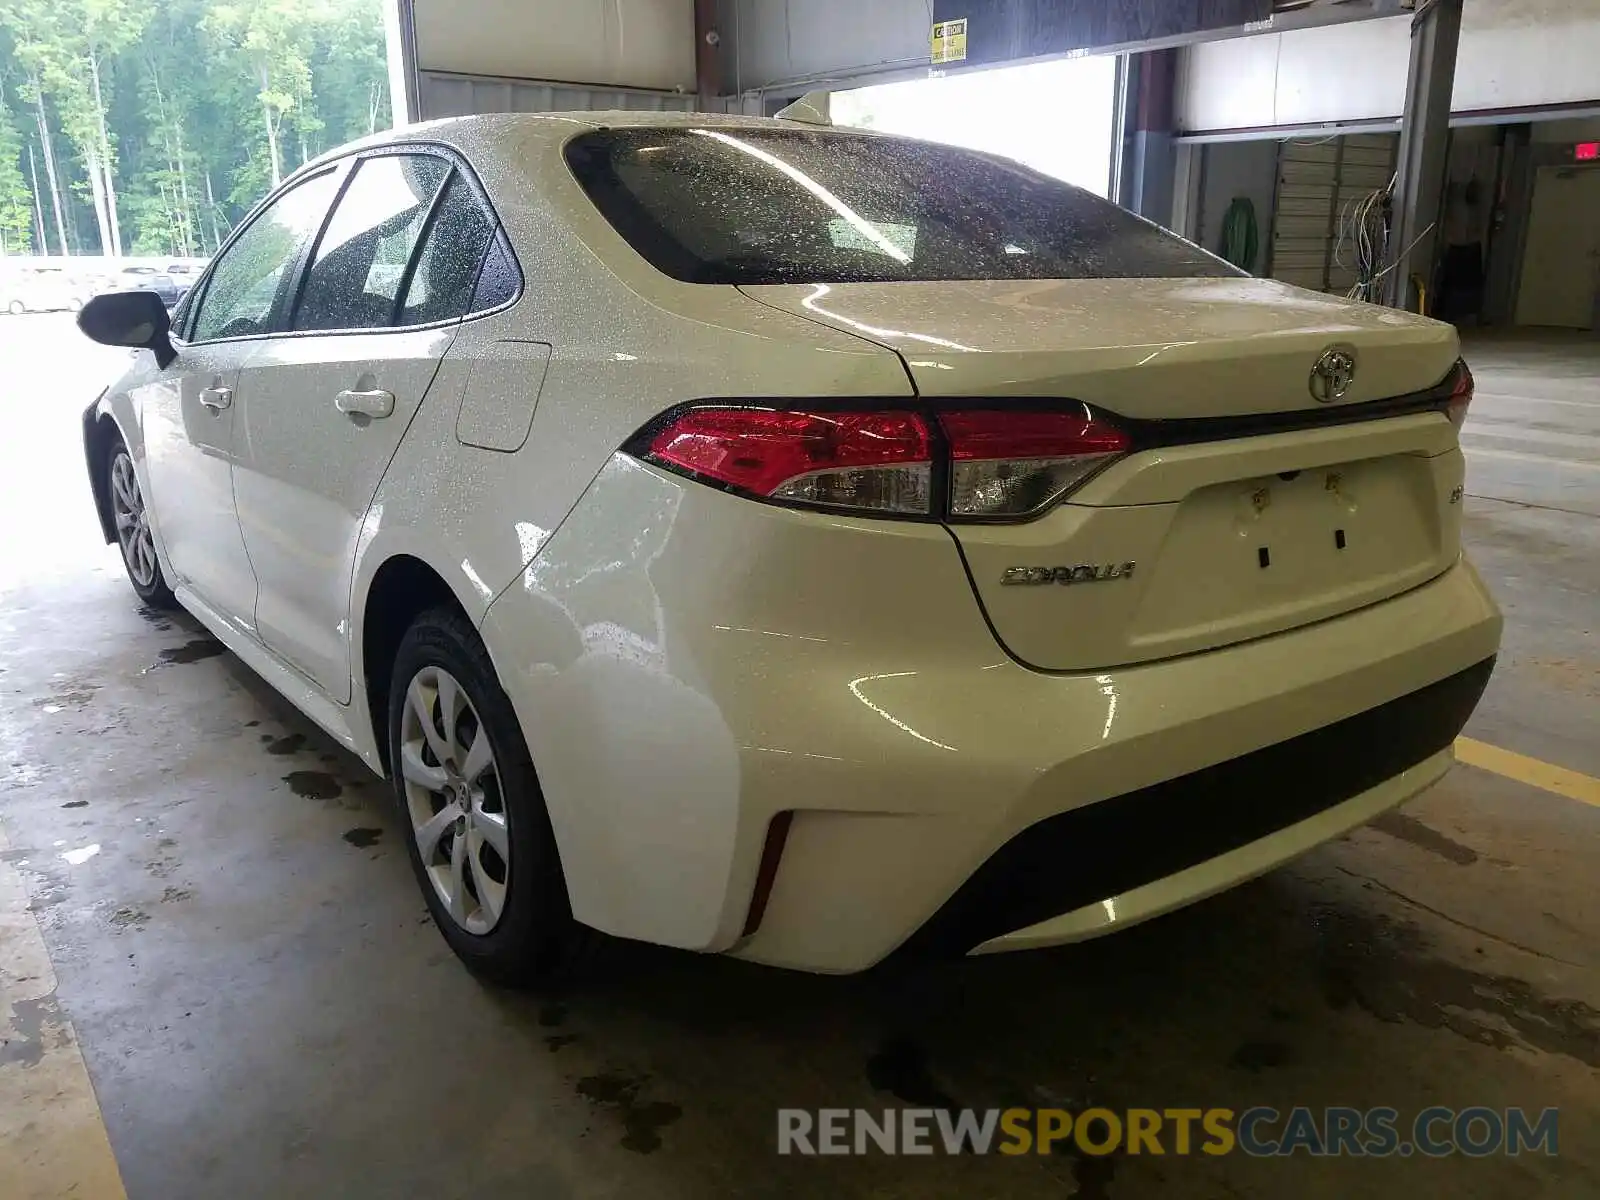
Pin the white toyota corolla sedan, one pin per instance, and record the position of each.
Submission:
(799, 543)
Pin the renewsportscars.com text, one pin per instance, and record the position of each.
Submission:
(1260, 1131)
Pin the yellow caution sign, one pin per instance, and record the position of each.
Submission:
(949, 41)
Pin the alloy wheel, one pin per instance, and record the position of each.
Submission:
(454, 800)
(132, 521)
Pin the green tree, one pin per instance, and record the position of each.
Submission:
(16, 197)
(35, 48)
(351, 71)
(156, 124)
(268, 41)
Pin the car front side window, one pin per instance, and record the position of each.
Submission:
(246, 281)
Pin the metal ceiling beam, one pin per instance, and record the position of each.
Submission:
(908, 57)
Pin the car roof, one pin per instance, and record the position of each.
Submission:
(491, 130)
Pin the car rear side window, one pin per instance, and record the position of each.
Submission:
(499, 279)
(360, 263)
(447, 269)
(762, 205)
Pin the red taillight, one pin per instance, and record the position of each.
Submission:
(1003, 463)
(1010, 463)
(875, 461)
(1460, 395)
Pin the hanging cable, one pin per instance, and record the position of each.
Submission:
(1364, 228)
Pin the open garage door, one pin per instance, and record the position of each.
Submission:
(1014, 111)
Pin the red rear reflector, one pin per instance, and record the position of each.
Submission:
(873, 461)
(1009, 463)
(1009, 433)
(767, 872)
(1460, 395)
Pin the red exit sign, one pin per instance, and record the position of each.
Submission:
(1586, 151)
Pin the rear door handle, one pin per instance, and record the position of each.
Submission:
(216, 398)
(374, 403)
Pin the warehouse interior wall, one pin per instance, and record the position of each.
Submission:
(1570, 129)
(773, 43)
(1560, 285)
(1466, 222)
(1233, 170)
(1513, 53)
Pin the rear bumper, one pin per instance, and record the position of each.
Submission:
(730, 661)
(1082, 871)
(1227, 765)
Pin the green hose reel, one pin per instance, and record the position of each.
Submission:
(1239, 234)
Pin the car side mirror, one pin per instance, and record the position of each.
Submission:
(136, 319)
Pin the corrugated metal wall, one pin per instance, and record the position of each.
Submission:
(1317, 182)
(445, 95)
(599, 43)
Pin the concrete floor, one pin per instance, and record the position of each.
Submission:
(265, 1010)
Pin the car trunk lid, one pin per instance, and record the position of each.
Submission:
(1248, 505)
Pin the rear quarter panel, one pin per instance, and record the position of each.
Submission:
(625, 344)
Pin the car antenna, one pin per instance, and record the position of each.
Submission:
(810, 109)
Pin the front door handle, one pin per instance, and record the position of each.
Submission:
(216, 398)
(374, 403)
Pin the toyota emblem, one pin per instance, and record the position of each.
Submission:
(1332, 375)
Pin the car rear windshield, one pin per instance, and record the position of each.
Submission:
(761, 205)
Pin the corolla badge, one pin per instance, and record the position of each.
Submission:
(1332, 375)
(1081, 573)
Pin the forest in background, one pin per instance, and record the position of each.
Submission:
(150, 127)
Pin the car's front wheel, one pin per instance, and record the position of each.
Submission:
(477, 829)
(135, 538)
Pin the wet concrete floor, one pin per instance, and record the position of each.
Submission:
(247, 968)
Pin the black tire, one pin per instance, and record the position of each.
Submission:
(535, 939)
(149, 585)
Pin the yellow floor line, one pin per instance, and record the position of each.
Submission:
(1574, 785)
(53, 1141)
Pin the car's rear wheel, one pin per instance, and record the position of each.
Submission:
(477, 829)
(16, 308)
(135, 538)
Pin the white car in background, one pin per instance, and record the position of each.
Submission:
(798, 543)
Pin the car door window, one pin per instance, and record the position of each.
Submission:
(499, 280)
(447, 268)
(245, 282)
(361, 258)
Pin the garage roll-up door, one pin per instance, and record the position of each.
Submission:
(445, 95)
(1319, 183)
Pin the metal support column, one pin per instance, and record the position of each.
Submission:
(1424, 135)
(400, 34)
(1152, 154)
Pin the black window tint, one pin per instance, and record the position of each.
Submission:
(741, 205)
(245, 282)
(361, 259)
(499, 278)
(447, 268)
